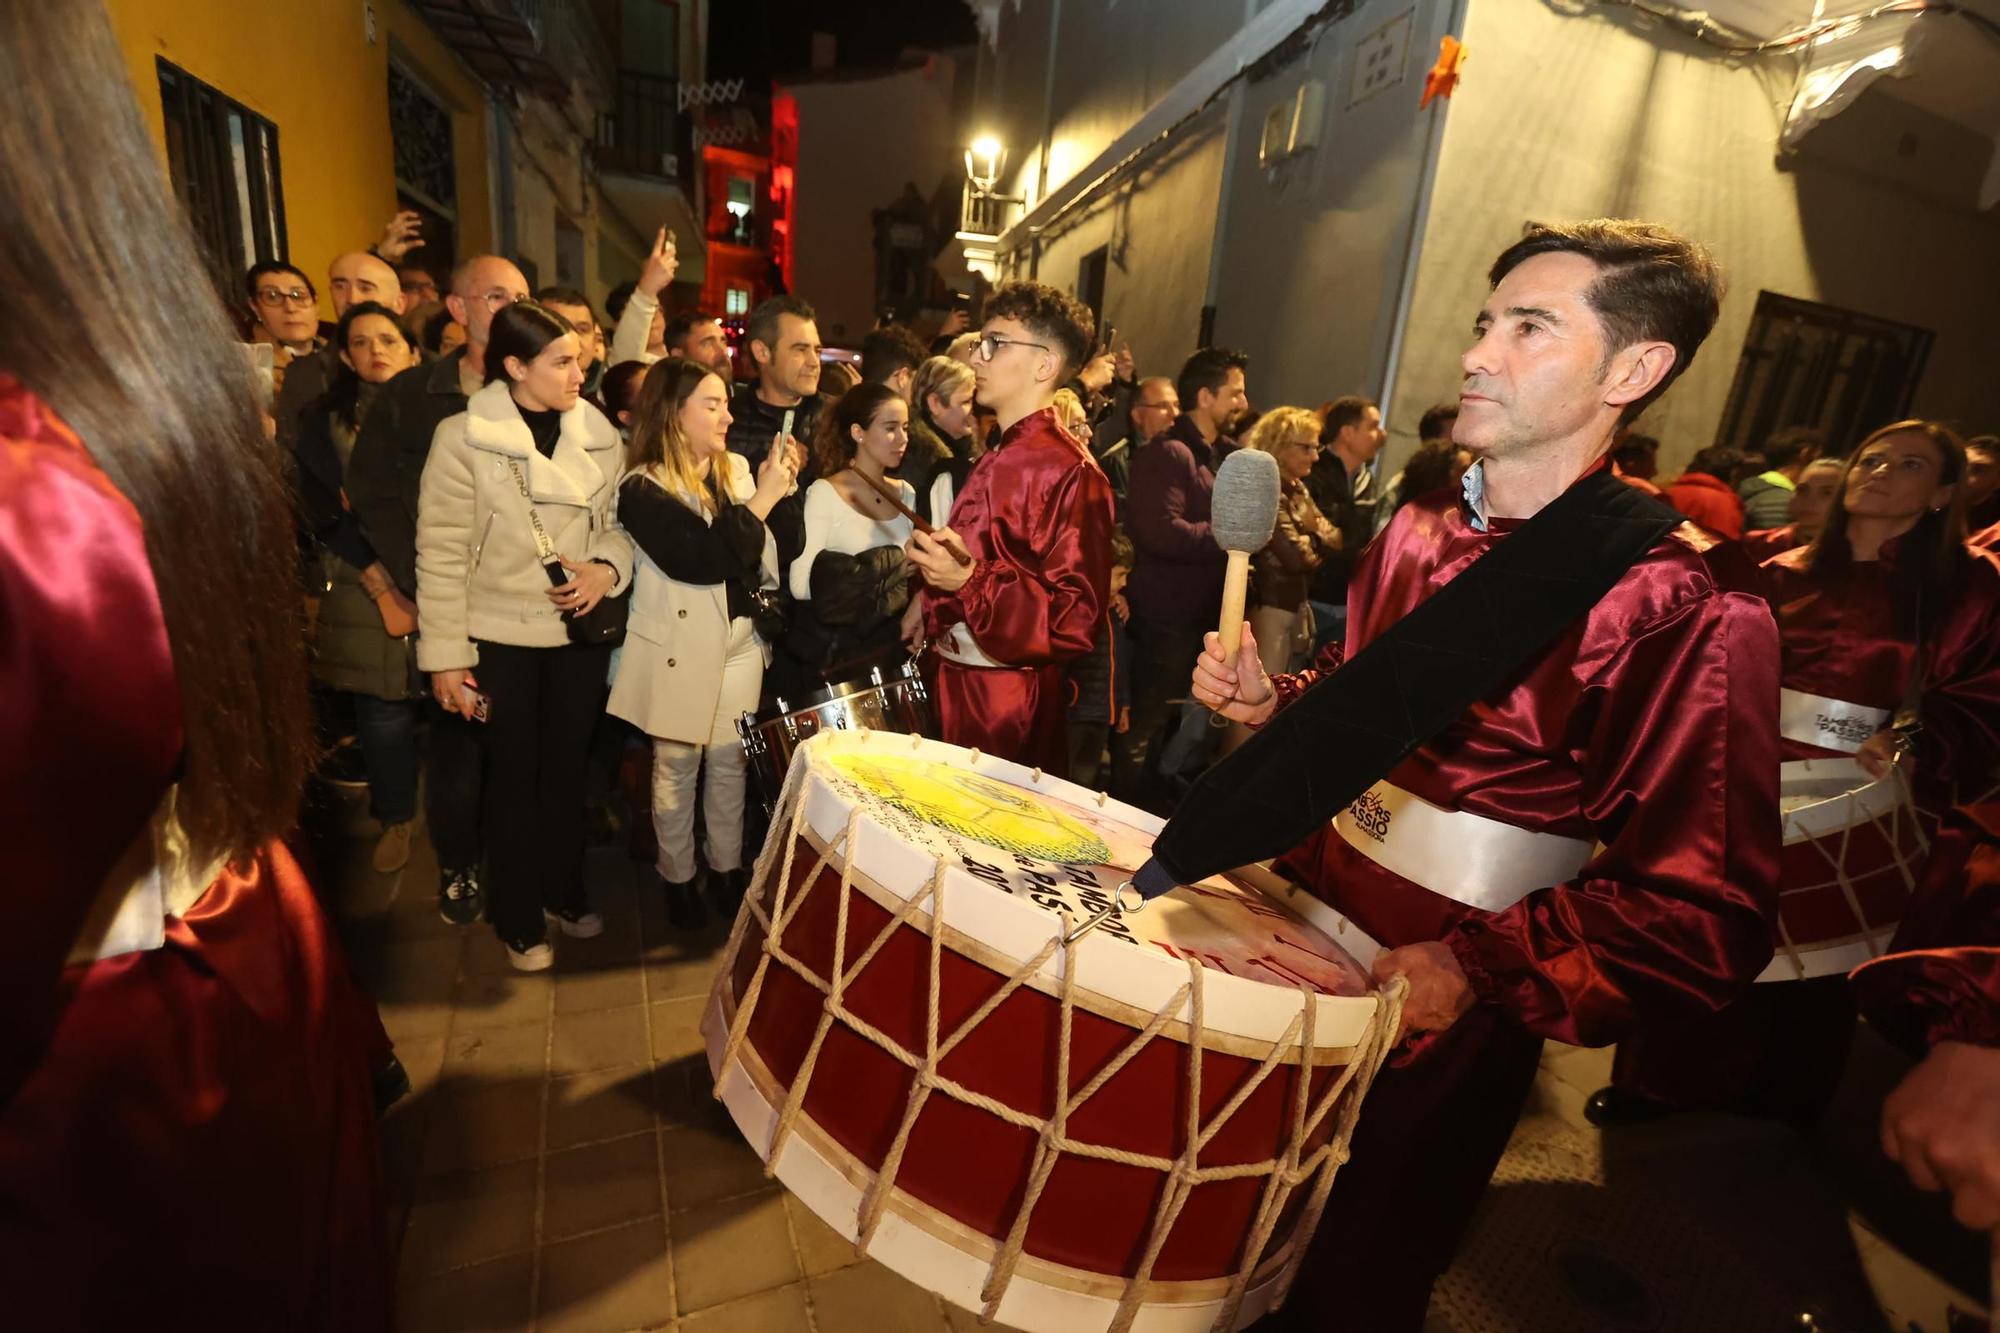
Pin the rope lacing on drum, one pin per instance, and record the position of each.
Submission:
(1182, 1174)
(1875, 935)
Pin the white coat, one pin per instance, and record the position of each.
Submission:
(669, 679)
(479, 575)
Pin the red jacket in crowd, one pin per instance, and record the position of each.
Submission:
(1709, 502)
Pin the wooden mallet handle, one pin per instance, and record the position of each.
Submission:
(917, 521)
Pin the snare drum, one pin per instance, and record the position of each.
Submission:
(886, 699)
(1853, 851)
(1134, 1128)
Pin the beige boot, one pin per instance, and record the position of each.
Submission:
(392, 849)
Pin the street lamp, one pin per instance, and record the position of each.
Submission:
(984, 161)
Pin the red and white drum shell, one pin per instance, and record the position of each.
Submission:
(1854, 848)
(962, 1177)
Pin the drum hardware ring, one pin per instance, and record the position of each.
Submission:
(1115, 907)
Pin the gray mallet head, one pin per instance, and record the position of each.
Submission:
(1245, 507)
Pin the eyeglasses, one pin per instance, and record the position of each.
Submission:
(1310, 446)
(496, 300)
(989, 345)
(1157, 407)
(297, 296)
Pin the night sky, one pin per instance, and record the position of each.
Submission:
(759, 38)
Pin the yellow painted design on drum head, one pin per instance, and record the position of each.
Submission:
(974, 807)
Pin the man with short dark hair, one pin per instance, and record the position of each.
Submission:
(890, 356)
(1035, 517)
(384, 477)
(782, 336)
(1176, 586)
(1564, 858)
(1342, 483)
(574, 306)
(1434, 426)
(697, 336)
(1982, 482)
(1767, 496)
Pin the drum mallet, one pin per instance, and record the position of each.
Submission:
(1242, 514)
(917, 521)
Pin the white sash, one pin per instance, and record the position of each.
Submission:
(157, 878)
(1467, 858)
(959, 646)
(1831, 724)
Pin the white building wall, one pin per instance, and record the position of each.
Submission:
(1564, 117)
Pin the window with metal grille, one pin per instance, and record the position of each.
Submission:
(1807, 364)
(223, 158)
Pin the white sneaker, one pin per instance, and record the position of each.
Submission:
(584, 925)
(534, 958)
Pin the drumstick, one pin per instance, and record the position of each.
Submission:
(917, 521)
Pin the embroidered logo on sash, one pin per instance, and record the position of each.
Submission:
(1852, 730)
(1371, 816)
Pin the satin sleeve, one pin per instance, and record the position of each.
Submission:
(1940, 980)
(1677, 744)
(1958, 745)
(90, 730)
(1036, 599)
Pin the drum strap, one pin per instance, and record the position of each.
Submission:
(1467, 641)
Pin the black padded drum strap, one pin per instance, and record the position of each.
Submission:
(1467, 641)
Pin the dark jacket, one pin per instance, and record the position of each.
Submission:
(387, 469)
(753, 424)
(1177, 579)
(350, 648)
(1101, 682)
(306, 381)
(933, 454)
(1348, 501)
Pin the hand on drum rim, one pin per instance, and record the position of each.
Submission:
(1440, 993)
(1942, 1123)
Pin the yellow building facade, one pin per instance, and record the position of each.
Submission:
(319, 71)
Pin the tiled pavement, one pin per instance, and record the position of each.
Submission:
(562, 1167)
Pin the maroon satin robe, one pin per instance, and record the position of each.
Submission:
(1649, 727)
(1036, 515)
(1779, 1049)
(187, 1134)
(1941, 978)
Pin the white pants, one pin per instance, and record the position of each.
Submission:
(677, 764)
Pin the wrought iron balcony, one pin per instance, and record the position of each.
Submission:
(646, 133)
(542, 47)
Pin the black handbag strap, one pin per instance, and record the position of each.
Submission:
(1467, 641)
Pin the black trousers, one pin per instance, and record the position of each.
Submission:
(452, 789)
(1162, 663)
(545, 703)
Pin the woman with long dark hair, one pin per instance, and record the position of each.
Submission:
(851, 583)
(1890, 627)
(184, 1066)
(516, 538)
(693, 663)
(363, 637)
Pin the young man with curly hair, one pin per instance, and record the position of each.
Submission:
(1035, 518)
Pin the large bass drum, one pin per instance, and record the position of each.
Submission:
(886, 699)
(1132, 1129)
